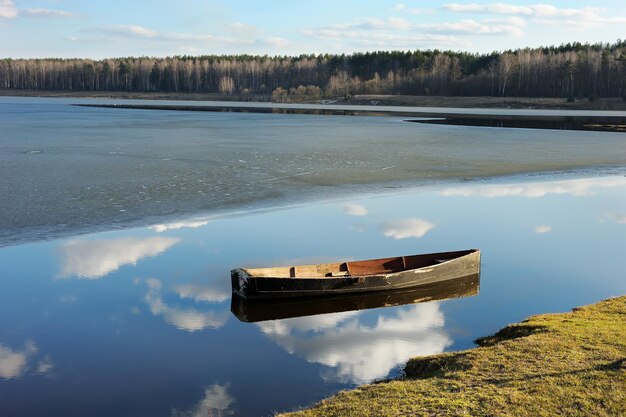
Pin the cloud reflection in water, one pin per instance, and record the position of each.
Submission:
(206, 293)
(15, 363)
(358, 353)
(352, 209)
(159, 228)
(94, 259)
(406, 228)
(543, 229)
(578, 187)
(216, 402)
(189, 319)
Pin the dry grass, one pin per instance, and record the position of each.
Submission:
(614, 103)
(570, 364)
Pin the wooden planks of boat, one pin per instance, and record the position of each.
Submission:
(355, 276)
(256, 310)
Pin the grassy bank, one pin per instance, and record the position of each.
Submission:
(570, 364)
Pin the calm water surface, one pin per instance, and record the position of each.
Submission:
(67, 169)
(138, 322)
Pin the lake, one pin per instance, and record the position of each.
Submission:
(137, 321)
(67, 169)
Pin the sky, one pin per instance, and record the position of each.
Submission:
(114, 28)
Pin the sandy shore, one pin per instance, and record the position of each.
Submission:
(615, 103)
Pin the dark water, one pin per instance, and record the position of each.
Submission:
(66, 169)
(592, 121)
(138, 322)
(617, 124)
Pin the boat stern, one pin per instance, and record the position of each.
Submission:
(239, 280)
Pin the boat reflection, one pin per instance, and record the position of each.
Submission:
(252, 311)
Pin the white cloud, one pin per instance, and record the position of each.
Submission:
(510, 21)
(159, 228)
(579, 188)
(589, 22)
(400, 33)
(543, 229)
(191, 320)
(93, 259)
(47, 13)
(191, 37)
(535, 10)
(390, 41)
(542, 13)
(125, 32)
(369, 24)
(244, 28)
(140, 32)
(216, 402)
(400, 7)
(357, 352)
(273, 41)
(8, 9)
(406, 228)
(352, 209)
(617, 218)
(359, 228)
(403, 8)
(472, 27)
(380, 39)
(390, 23)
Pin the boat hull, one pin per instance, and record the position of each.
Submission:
(247, 286)
(257, 310)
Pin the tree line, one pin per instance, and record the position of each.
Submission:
(569, 70)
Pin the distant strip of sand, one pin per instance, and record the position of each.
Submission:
(614, 103)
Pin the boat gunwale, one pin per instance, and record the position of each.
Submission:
(466, 252)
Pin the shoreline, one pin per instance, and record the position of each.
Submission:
(378, 190)
(478, 102)
(605, 121)
(570, 363)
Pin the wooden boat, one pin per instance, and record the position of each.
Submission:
(256, 310)
(354, 277)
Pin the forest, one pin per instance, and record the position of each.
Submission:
(572, 70)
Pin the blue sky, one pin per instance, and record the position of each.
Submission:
(98, 29)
